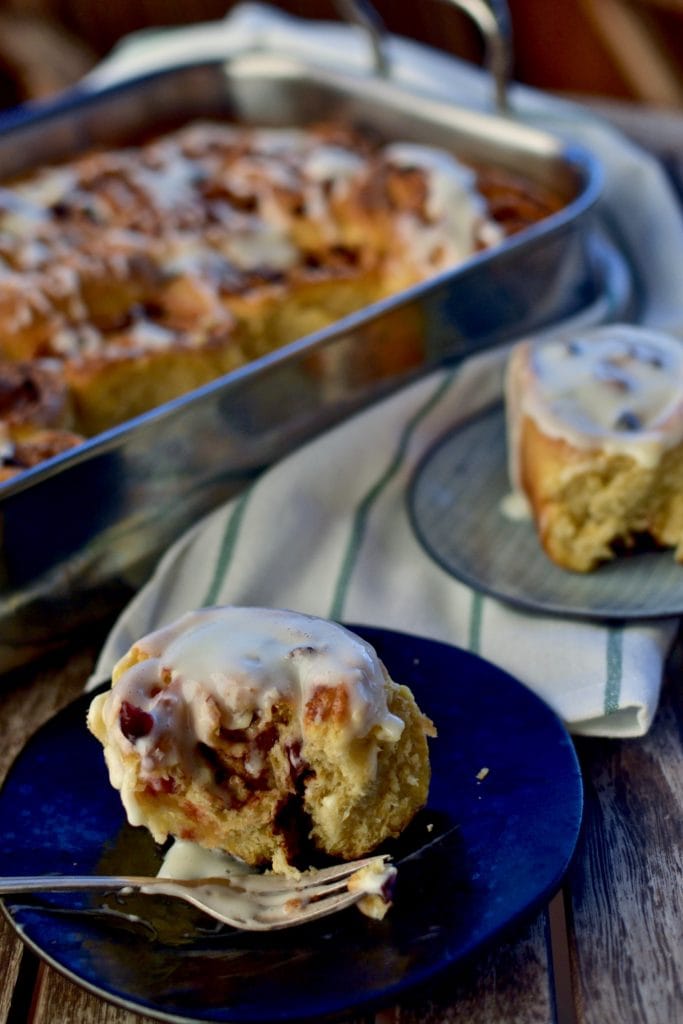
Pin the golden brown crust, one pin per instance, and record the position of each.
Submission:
(33, 393)
(588, 505)
(514, 206)
(358, 821)
(329, 705)
(32, 446)
(36, 416)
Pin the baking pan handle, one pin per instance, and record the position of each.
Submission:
(363, 14)
(491, 17)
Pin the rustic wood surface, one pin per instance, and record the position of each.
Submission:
(627, 880)
(607, 951)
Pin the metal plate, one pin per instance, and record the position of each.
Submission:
(84, 529)
(455, 507)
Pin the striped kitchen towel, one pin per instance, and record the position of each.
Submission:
(327, 530)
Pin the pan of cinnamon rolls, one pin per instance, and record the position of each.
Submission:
(205, 266)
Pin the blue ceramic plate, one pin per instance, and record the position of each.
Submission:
(455, 506)
(483, 855)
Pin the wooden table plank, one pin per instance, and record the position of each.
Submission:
(31, 695)
(627, 881)
(11, 952)
(59, 1000)
(28, 698)
(509, 983)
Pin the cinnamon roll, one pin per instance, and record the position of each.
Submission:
(595, 435)
(264, 733)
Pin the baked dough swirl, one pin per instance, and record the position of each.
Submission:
(265, 733)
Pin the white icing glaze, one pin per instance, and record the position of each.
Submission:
(261, 243)
(279, 141)
(332, 163)
(515, 507)
(455, 210)
(169, 185)
(217, 668)
(147, 336)
(187, 861)
(617, 388)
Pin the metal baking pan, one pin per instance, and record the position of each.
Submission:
(82, 530)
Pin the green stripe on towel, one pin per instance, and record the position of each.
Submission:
(366, 503)
(615, 649)
(227, 547)
(476, 613)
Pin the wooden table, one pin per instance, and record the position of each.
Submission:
(608, 949)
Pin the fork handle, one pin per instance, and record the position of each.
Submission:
(74, 883)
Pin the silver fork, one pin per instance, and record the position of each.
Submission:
(250, 901)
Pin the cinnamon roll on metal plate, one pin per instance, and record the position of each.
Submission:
(595, 435)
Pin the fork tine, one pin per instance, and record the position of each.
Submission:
(308, 912)
(275, 913)
(283, 902)
(308, 879)
(348, 868)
